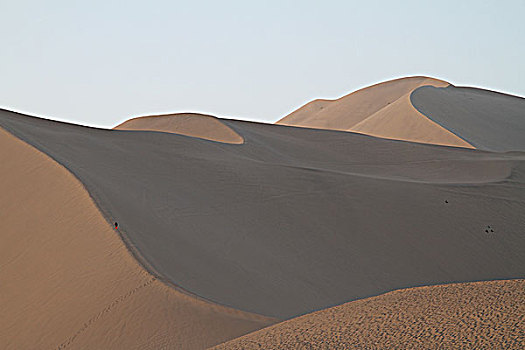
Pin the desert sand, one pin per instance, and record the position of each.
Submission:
(382, 110)
(189, 124)
(454, 316)
(68, 281)
(296, 220)
(421, 109)
(226, 227)
(345, 112)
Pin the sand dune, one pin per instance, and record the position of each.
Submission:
(269, 222)
(189, 124)
(401, 121)
(295, 220)
(423, 110)
(481, 315)
(347, 111)
(382, 110)
(68, 281)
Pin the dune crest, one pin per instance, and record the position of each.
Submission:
(479, 315)
(68, 280)
(382, 110)
(401, 121)
(190, 124)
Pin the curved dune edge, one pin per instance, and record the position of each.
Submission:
(70, 282)
(190, 124)
(347, 111)
(382, 110)
(476, 315)
(401, 121)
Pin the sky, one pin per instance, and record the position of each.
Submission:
(99, 63)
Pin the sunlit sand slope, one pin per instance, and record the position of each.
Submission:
(481, 315)
(68, 281)
(485, 119)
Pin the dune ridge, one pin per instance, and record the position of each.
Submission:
(382, 110)
(477, 315)
(190, 124)
(69, 281)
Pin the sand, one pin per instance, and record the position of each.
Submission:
(481, 315)
(190, 124)
(345, 112)
(421, 109)
(68, 281)
(295, 220)
(401, 121)
(486, 119)
(226, 227)
(382, 110)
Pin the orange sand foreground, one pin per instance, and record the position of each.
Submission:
(480, 315)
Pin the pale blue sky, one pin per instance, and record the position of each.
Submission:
(101, 62)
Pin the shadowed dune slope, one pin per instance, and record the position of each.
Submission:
(481, 315)
(382, 110)
(189, 124)
(68, 281)
(295, 219)
(486, 119)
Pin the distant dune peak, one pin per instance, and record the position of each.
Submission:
(346, 111)
(190, 124)
(382, 110)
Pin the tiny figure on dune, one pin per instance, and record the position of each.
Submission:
(116, 225)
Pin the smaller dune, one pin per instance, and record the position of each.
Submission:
(478, 315)
(190, 124)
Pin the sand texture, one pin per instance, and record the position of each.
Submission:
(190, 124)
(481, 315)
(295, 220)
(67, 280)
